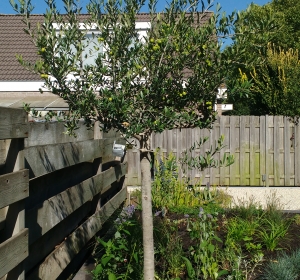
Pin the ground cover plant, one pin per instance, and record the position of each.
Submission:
(245, 242)
(197, 235)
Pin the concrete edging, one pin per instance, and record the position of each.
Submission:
(286, 198)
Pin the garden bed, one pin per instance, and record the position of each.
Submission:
(245, 242)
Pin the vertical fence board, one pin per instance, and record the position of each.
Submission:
(262, 150)
(232, 147)
(297, 154)
(252, 150)
(276, 150)
(268, 152)
(287, 153)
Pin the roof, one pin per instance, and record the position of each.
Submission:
(13, 41)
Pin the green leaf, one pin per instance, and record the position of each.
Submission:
(112, 276)
(105, 260)
(98, 270)
(211, 248)
(189, 267)
(222, 272)
(117, 235)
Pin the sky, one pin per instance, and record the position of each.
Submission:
(227, 5)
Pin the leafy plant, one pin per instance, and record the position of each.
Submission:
(207, 160)
(296, 219)
(171, 192)
(272, 233)
(203, 253)
(240, 230)
(274, 208)
(121, 257)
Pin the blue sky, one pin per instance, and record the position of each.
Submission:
(227, 5)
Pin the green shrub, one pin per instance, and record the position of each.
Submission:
(121, 257)
(171, 192)
(286, 267)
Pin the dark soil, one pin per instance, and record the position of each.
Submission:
(288, 244)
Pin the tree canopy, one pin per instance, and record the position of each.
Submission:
(267, 32)
(137, 83)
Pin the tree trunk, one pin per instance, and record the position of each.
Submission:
(147, 216)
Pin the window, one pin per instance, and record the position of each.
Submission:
(91, 50)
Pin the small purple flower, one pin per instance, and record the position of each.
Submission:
(201, 212)
(209, 216)
(128, 211)
(186, 215)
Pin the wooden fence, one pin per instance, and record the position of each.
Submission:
(266, 151)
(56, 192)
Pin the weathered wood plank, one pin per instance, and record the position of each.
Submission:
(44, 187)
(297, 154)
(49, 133)
(269, 149)
(56, 262)
(233, 150)
(48, 158)
(262, 150)
(11, 116)
(2, 218)
(13, 131)
(223, 122)
(44, 245)
(13, 251)
(276, 150)
(13, 187)
(44, 217)
(287, 152)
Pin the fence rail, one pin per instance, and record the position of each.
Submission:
(56, 193)
(266, 151)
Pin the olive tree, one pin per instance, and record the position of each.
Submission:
(109, 72)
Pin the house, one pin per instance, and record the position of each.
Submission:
(19, 85)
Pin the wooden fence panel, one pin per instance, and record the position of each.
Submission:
(71, 184)
(54, 210)
(49, 158)
(56, 262)
(266, 150)
(49, 133)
